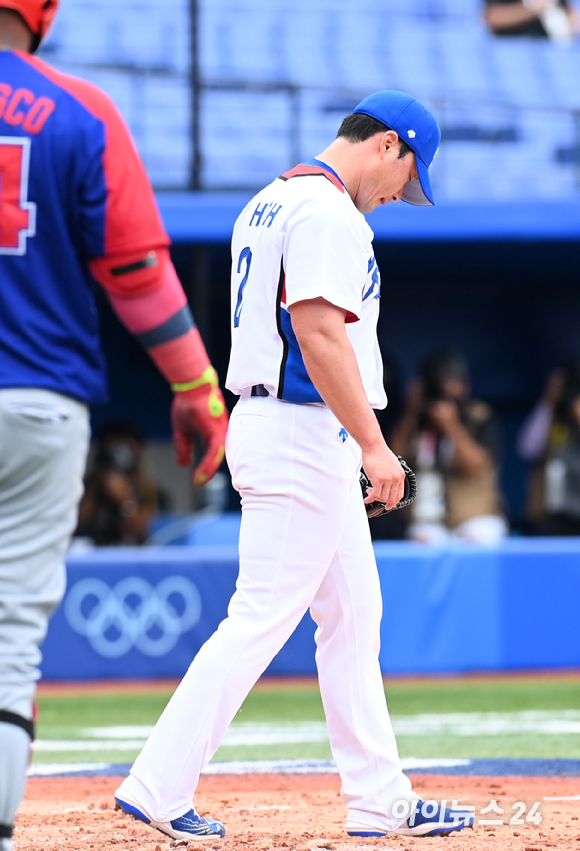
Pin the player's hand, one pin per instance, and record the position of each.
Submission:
(200, 411)
(386, 475)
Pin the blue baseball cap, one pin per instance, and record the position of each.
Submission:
(417, 127)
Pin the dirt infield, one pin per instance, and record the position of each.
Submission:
(301, 813)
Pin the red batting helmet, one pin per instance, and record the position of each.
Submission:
(38, 14)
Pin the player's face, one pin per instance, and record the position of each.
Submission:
(386, 178)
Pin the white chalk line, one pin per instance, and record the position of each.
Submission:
(462, 724)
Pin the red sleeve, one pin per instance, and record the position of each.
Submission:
(132, 219)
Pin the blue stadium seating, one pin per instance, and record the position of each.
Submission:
(278, 79)
(138, 52)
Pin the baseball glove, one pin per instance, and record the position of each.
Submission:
(376, 509)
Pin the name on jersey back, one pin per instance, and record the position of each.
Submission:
(265, 215)
(22, 108)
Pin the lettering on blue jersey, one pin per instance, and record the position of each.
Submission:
(17, 213)
(269, 217)
(343, 435)
(23, 107)
(375, 286)
(48, 324)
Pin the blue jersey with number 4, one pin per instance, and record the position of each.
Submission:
(72, 188)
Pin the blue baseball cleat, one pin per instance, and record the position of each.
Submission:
(189, 826)
(427, 818)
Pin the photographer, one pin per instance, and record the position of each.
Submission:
(452, 442)
(550, 437)
(120, 496)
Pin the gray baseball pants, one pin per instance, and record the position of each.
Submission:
(43, 447)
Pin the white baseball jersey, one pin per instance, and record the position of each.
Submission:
(301, 238)
(304, 537)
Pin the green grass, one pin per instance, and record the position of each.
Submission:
(499, 695)
(486, 696)
(58, 716)
(66, 717)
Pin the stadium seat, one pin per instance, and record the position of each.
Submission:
(279, 79)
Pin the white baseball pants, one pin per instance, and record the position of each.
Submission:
(304, 542)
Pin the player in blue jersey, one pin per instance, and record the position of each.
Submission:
(75, 207)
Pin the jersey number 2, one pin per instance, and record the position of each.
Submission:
(17, 213)
(245, 254)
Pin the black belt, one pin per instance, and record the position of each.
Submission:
(259, 390)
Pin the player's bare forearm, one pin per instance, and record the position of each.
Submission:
(331, 364)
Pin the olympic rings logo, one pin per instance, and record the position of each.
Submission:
(133, 614)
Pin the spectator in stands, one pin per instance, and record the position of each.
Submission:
(452, 442)
(120, 496)
(555, 19)
(551, 437)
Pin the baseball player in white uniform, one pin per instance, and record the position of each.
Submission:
(306, 364)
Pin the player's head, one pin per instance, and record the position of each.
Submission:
(36, 14)
(417, 131)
